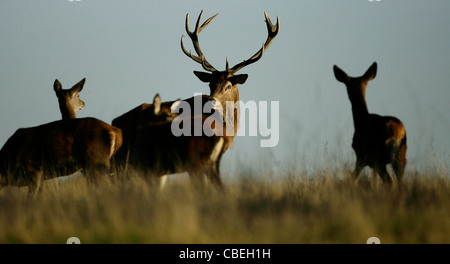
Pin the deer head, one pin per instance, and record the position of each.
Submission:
(223, 85)
(69, 99)
(356, 86)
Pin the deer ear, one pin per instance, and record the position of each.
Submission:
(57, 86)
(340, 74)
(203, 76)
(174, 106)
(157, 104)
(239, 79)
(78, 87)
(371, 72)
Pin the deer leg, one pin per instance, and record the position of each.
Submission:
(89, 175)
(398, 169)
(214, 176)
(112, 174)
(381, 170)
(96, 172)
(162, 181)
(213, 164)
(358, 168)
(3, 181)
(397, 155)
(124, 167)
(197, 178)
(399, 164)
(36, 181)
(154, 179)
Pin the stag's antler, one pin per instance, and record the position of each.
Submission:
(194, 37)
(272, 33)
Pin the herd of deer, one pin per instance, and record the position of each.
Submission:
(141, 139)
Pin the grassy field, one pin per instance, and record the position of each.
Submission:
(293, 207)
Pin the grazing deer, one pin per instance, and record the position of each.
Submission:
(58, 148)
(223, 88)
(378, 140)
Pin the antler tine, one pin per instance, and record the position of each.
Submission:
(194, 38)
(198, 28)
(272, 33)
(189, 53)
(226, 66)
(207, 22)
(273, 29)
(197, 24)
(187, 24)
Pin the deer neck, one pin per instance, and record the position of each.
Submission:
(236, 114)
(237, 110)
(359, 110)
(67, 112)
(230, 113)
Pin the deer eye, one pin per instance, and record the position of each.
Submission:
(228, 87)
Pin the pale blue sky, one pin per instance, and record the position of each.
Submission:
(130, 50)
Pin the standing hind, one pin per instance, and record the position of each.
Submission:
(378, 140)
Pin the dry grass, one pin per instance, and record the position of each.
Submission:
(321, 207)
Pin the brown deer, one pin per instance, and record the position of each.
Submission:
(69, 100)
(223, 85)
(58, 148)
(223, 88)
(155, 151)
(378, 140)
(142, 115)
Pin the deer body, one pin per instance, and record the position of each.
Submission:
(69, 103)
(151, 147)
(156, 151)
(377, 140)
(130, 122)
(59, 148)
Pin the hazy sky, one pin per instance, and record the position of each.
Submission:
(130, 50)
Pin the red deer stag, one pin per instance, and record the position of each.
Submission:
(223, 88)
(223, 85)
(58, 148)
(378, 140)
